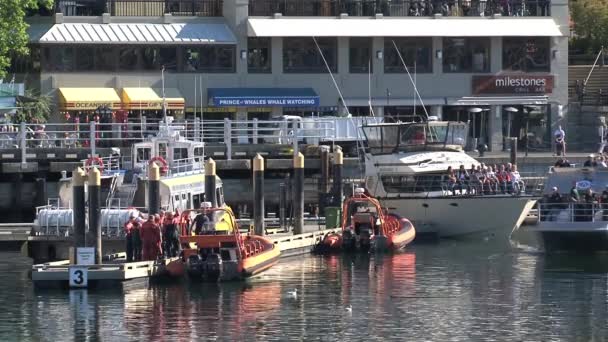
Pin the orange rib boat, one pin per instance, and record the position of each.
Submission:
(221, 252)
(366, 226)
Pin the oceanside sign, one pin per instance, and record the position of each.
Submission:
(513, 84)
(266, 101)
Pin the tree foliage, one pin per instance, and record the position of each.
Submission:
(34, 108)
(590, 19)
(13, 29)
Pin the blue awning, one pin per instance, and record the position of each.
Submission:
(268, 97)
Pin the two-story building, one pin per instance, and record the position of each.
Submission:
(500, 64)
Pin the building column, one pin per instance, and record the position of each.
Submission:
(437, 111)
(495, 128)
(378, 111)
(241, 126)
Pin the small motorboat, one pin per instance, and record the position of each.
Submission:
(366, 226)
(220, 252)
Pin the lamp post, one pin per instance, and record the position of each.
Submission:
(162, 79)
(510, 111)
(388, 100)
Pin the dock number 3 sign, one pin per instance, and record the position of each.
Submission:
(79, 276)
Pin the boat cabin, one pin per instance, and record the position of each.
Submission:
(388, 138)
(170, 148)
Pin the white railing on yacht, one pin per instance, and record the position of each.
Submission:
(573, 212)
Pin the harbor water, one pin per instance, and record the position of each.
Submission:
(447, 291)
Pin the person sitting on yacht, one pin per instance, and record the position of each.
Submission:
(589, 204)
(504, 178)
(493, 180)
(604, 203)
(554, 204)
(463, 179)
(590, 162)
(477, 179)
(562, 162)
(516, 181)
(451, 180)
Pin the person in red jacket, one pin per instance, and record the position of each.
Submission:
(150, 235)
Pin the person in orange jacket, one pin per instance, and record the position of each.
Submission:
(150, 235)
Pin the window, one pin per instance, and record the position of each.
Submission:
(300, 55)
(218, 58)
(29, 63)
(526, 54)
(105, 59)
(416, 53)
(466, 54)
(127, 59)
(359, 51)
(85, 58)
(143, 154)
(258, 55)
(412, 184)
(60, 58)
(180, 153)
(153, 58)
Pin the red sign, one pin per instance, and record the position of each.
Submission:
(513, 84)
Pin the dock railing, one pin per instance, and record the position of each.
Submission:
(292, 131)
(573, 212)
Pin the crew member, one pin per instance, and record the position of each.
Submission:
(200, 223)
(170, 236)
(129, 226)
(150, 236)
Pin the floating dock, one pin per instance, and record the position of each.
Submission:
(115, 273)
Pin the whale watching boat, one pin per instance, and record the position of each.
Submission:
(563, 225)
(220, 252)
(366, 226)
(406, 166)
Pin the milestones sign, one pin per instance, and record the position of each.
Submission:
(513, 84)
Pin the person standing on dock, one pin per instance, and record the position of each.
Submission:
(170, 236)
(129, 227)
(150, 236)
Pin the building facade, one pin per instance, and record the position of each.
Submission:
(502, 66)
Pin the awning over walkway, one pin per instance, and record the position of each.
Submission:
(404, 27)
(88, 98)
(497, 100)
(173, 98)
(183, 33)
(141, 99)
(393, 101)
(271, 97)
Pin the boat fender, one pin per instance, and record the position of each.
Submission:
(164, 167)
(94, 161)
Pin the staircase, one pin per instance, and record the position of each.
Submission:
(122, 196)
(596, 90)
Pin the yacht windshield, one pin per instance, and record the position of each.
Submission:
(387, 138)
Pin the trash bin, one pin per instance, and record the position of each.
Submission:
(332, 217)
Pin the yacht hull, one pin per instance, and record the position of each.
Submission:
(463, 217)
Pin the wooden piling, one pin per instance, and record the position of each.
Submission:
(324, 181)
(210, 174)
(338, 186)
(153, 189)
(258, 195)
(94, 192)
(298, 193)
(78, 207)
(282, 205)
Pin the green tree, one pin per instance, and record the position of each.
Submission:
(34, 107)
(13, 29)
(590, 19)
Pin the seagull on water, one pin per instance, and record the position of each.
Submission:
(293, 294)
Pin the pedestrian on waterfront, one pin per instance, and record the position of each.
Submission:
(150, 236)
(128, 227)
(560, 141)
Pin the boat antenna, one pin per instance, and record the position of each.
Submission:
(411, 79)
(359, 143)
(369, 87)
(162, 78)
(200, 89)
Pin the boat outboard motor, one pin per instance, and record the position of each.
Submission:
(365, 235)
(348, 241)
(195, 266)
(213, 267)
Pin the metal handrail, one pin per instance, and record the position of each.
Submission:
(573, 212)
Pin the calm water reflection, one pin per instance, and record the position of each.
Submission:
(439, 292)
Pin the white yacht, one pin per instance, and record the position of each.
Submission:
(405, 168)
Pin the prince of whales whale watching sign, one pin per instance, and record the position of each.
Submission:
(271, 97)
